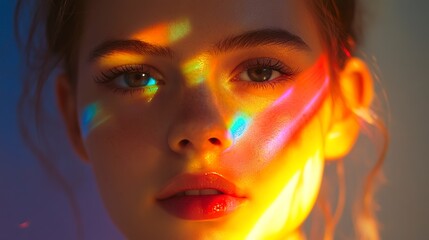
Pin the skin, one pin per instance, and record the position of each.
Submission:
(133, 139)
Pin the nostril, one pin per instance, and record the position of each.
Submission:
(184, 143)
(215, 141)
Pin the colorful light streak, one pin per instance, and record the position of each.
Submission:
(92, 117)
(164, 34)
(282, 137)
(149, 92)
(239, 125)
(277, 123)
(273, 220)
(179, 30)
(196, 70)
(287, 208)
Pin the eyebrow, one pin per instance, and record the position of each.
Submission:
(256, 38)
(129, 46)
(262, 37)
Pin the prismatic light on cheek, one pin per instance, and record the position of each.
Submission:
(150, 90)
(238, 125)
(92, 117)
(293, 109)
(284, 133)
(294, 201)
(300, 151)
(165, 33)
(276, 125)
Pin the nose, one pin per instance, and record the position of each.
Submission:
(198, 126)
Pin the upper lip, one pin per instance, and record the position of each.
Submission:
(210, 180)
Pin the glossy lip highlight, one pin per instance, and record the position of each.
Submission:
(222, 198)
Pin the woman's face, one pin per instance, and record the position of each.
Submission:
(204, 119)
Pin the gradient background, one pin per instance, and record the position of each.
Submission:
(397, 36)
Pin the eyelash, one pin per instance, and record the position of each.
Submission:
(107, 77)
(286, 73)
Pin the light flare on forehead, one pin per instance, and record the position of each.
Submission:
(153, 41)
(164, 34)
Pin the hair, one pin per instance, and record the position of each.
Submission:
(52, 40)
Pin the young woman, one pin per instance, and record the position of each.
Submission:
(208, 119)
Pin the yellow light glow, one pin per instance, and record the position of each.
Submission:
(157, 34)
(272, 221)
(179, 30)
(119, 59)
(293, 203)
(164, 34)
(150, 92)
(196, 70)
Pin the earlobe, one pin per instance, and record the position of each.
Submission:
(356, 92)
(67, 104)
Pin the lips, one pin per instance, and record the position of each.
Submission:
(200, 197)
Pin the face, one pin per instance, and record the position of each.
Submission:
(206, 118)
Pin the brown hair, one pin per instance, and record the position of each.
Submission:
(52, 40)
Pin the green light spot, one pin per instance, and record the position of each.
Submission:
(179, 30)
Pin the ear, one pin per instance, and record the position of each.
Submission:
(356, 92)
(66, 99)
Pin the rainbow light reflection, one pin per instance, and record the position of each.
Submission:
(150, 89)
(286, 209)
(239, 125)
(178, 30)
(165, 33)
(196, 70)
(279, 141)
(92, 117)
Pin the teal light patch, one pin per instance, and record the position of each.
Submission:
(91, 118)
(151, 82)
(239, 125)
(88, 115)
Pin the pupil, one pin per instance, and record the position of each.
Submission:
(259, 74)
(137, 79)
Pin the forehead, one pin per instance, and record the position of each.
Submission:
(208, 21)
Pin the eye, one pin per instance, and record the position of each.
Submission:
(130, 78)
(259, 74)
(263, 70)
(135, 80)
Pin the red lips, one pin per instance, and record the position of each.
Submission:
(200, 197)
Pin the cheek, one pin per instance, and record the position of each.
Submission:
(284, 190)
(278, 155)
(125, 154)
(290, 185)
(262, 138)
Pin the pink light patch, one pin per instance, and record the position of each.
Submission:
(25, 224)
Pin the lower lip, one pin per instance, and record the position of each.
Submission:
(202, 207)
